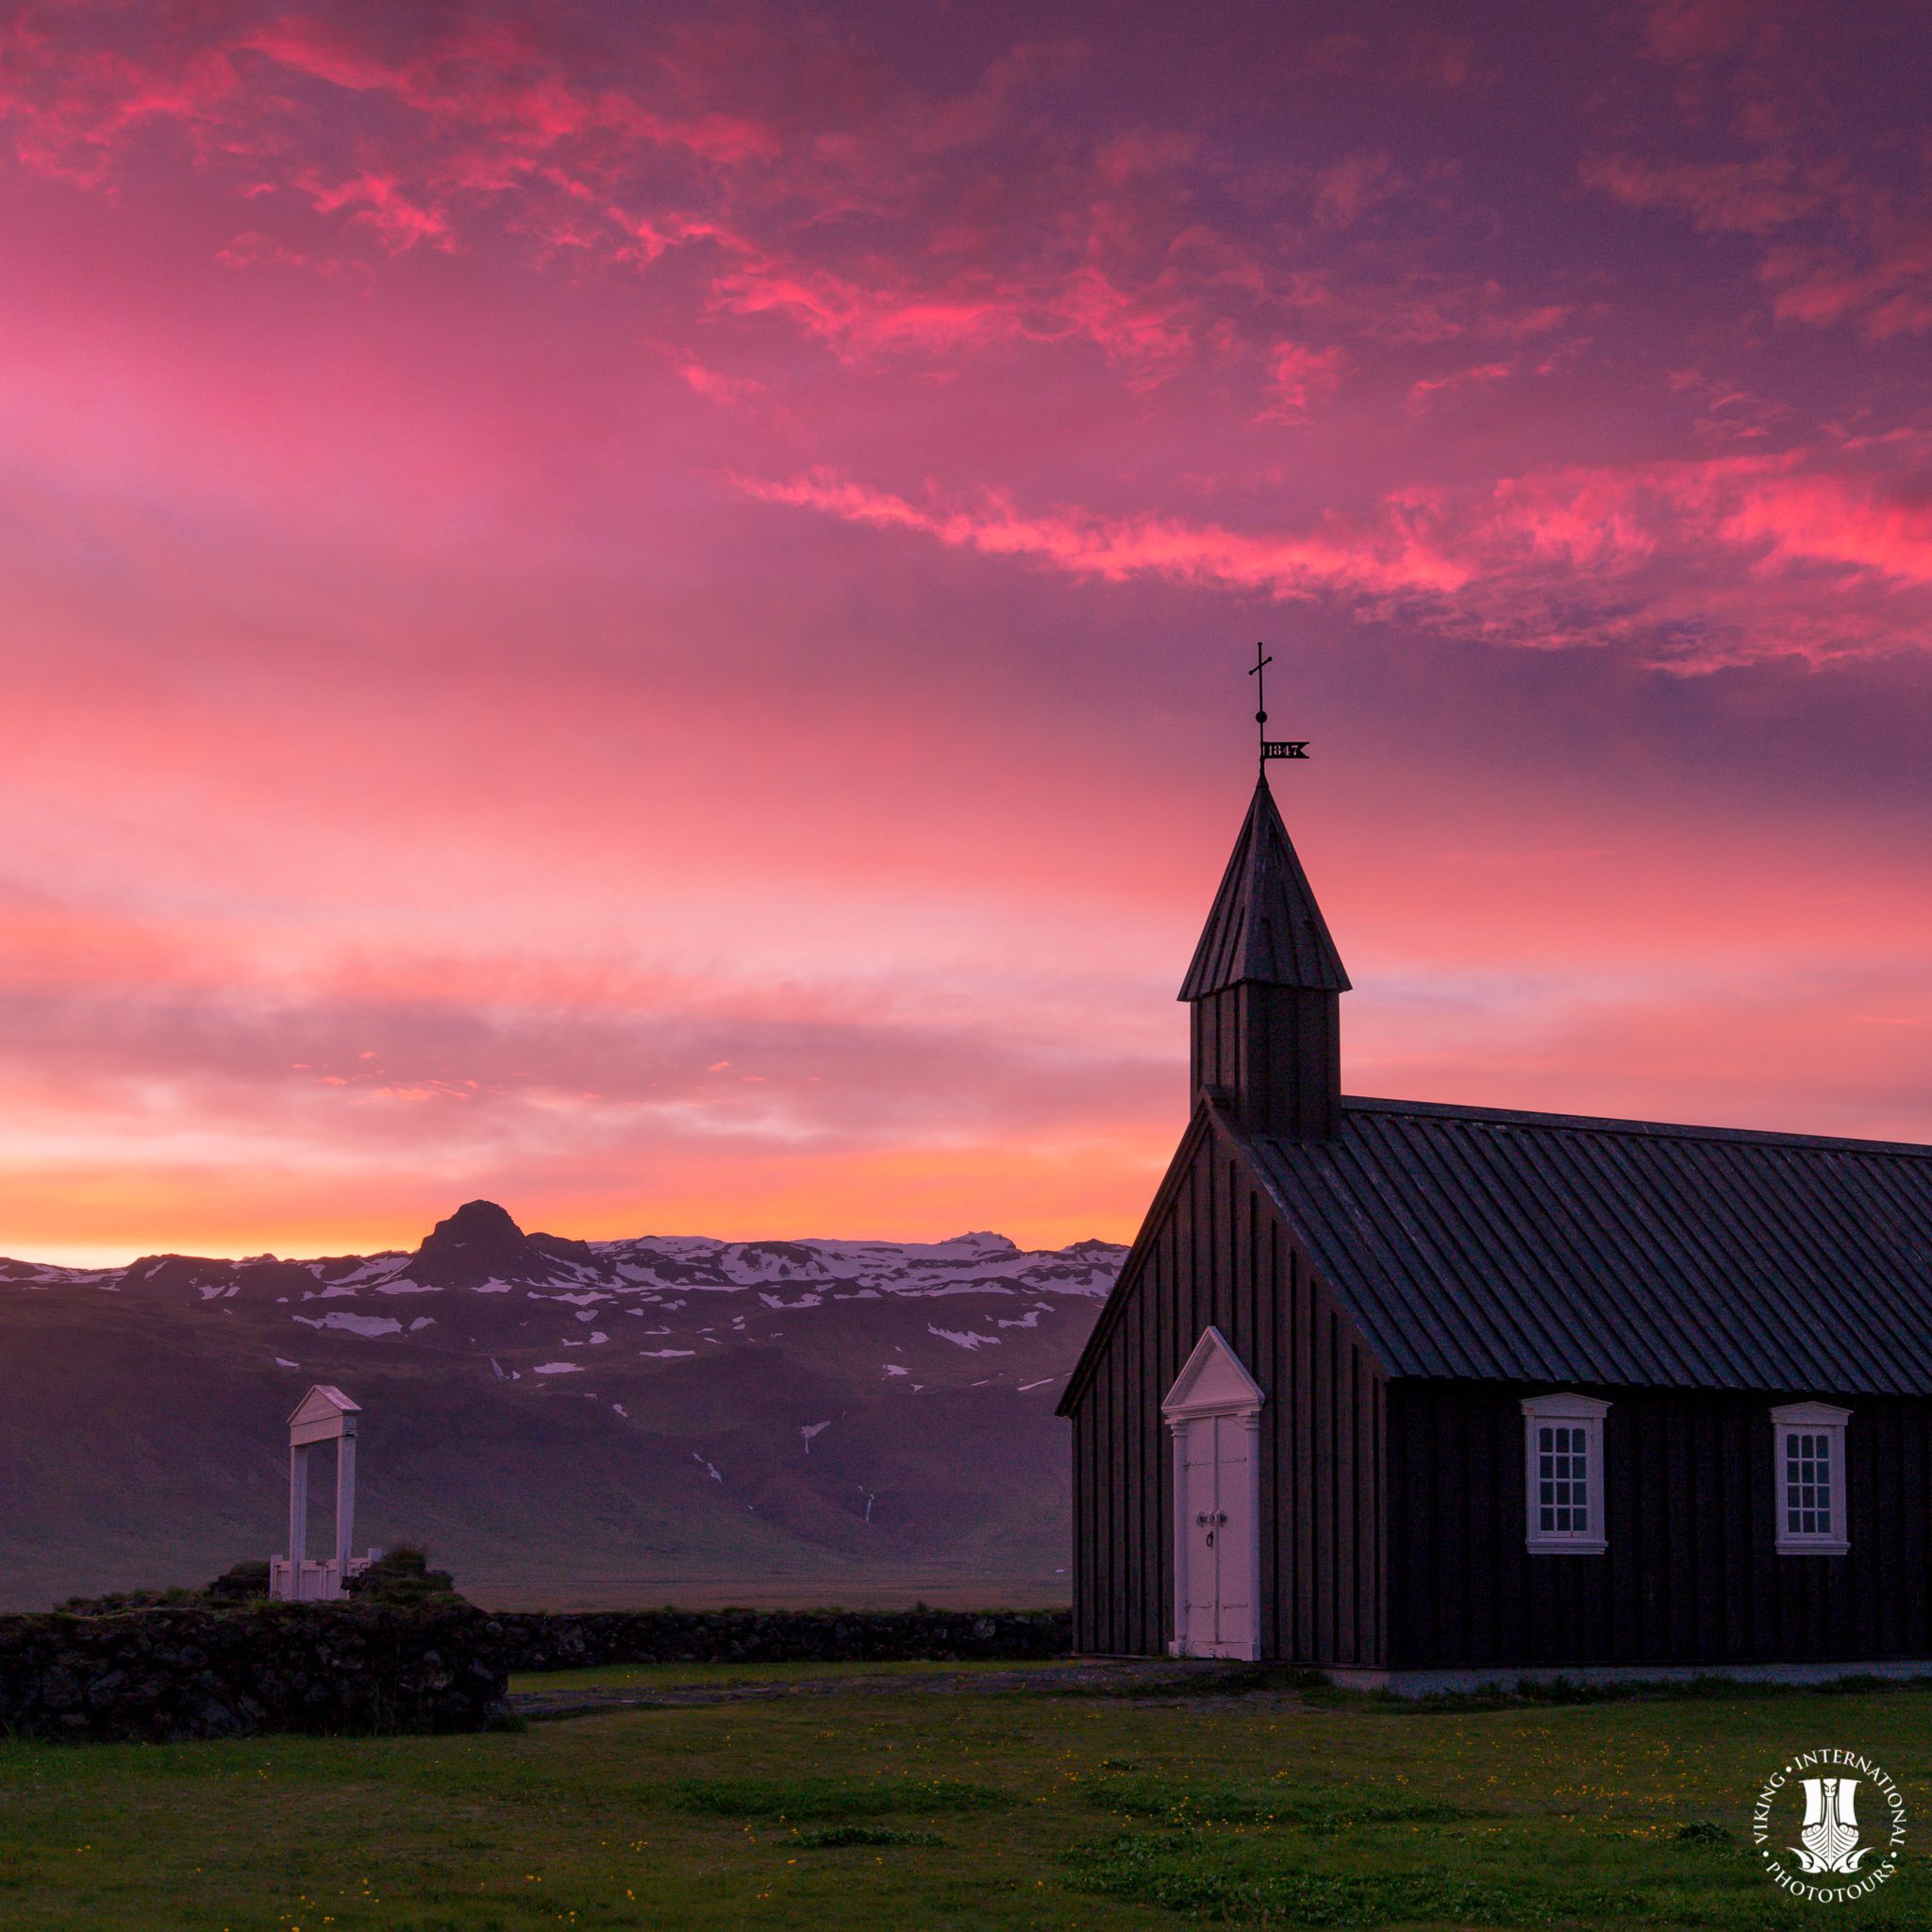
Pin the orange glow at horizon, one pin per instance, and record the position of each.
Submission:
(647, 619)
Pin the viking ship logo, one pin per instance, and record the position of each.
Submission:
(1828, 1865)
(1829, 1840)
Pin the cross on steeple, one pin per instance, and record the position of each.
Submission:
(1270, 747)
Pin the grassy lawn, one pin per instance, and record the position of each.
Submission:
(972, 1811)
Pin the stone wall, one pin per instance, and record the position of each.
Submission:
(172, 1673)
(554, 1640)
(168, 1673)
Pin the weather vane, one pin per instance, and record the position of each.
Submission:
(1270, 747)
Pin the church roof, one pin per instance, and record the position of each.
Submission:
(1477, 1243)
(1265, 925)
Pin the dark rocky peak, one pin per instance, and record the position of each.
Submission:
(982, 1240)
(475, 1223)
(198, 1278)
(333, 1267)
(192, 1276)
(270, 1279)
(778, 1260)
(479, 1242)
(565, 1249)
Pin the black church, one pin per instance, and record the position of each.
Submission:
(1410, 1392)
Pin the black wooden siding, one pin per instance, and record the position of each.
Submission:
(1215, 1252)
(1274, 1054)
(1692, 1574)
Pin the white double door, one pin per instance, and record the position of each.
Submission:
(1216, 1535)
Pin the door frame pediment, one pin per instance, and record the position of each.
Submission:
(1213, 1381)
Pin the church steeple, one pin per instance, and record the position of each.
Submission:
(1265, 987)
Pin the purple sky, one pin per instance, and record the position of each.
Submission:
(644, 615)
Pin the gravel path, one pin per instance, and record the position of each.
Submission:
(1126, 1676)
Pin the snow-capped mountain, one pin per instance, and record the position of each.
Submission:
(561, 1419)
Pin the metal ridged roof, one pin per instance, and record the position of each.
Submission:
(1472, 1242)
(1265, 925)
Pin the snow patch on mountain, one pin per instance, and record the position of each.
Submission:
(367, 1326)
(967, 1338)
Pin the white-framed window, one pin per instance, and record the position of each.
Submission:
(1810, 1478)
(1563, 1458)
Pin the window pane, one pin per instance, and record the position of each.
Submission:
(1562, 1473)
(1807, 1484)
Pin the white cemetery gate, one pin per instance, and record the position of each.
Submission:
(324, 1415)
(1214, 1411)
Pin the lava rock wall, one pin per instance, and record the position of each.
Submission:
(553, 1640)
(170, 1675)
(167, 1673)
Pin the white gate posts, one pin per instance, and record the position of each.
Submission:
(324, 1415)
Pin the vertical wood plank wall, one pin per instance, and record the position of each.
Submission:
(1218, 1254)
(1692, 1574)
(1277, 1051)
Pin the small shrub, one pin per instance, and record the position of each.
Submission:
(1703, 1831)
(240, 1582)
(175, 1597)
(827, 1838)
(402, 1576)
(828, 1797)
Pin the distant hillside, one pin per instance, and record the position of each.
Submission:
(561, 1420)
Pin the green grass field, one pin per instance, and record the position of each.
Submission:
(922, 1809)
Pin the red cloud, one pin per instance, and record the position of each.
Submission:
(1395, 557)
(1745, 198)
(1425, 388)
(1302, 376)
(1705, 562)
(856, 320)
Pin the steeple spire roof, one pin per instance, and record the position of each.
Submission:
(1265, 925)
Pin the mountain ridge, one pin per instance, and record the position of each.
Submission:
(563, 1420)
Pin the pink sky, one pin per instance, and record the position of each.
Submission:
(645, 616)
